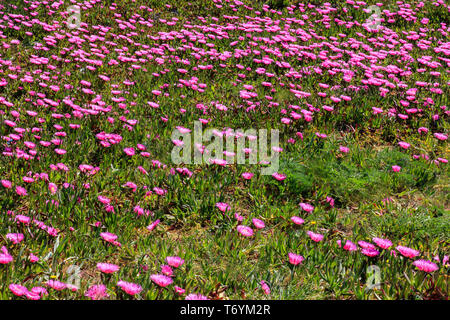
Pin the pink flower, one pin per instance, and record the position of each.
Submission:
(195, 296)
(370, 252)
(315, 236)
(18, 289)
(57, 285)
(33, 258)
(366, 245)
(245, 231)
(265, 287)
(97, 292)
(259, 224)
(407, 252)
(425, 265)
(404, 145)
(297, 220)
(103, 199)
(21, 191)
(109, 237)
(161, 280)
(295, 259)
(247, 175)
(153, 225)
(279, 176)
(52, 187)
(382, 243)
(174, 261)
(307, 207)
(129, 287)
(166, 270)
(330, 200)
(179, 290)
(223, 206)
(396, 168)
(129, 151)
(107, 267)
(440, 136)
(344, 149)
(15, 237)
(6, 183)
(349, 246)
(5, 257)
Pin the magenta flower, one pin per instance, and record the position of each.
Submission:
(57, 285)
(109, 237)
(307, 207)
(426, 265)
(247, 175)
(295, 259)
(153, 225)
(407, 252)
(245, 231)
(316, 237)
(15, 237)
(5, 257)
(370, 252)
(166, 270)
(382, 243)
(129, 287)
(97, 292)
(279, 176)
(297, 220)
(195, 296)
(107, 267)
(161, 280)
(259, 224)
(174, 261)
(18, 289)
(265, 287)
(179, 290)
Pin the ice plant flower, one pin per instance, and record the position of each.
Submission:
(245, 231)
(57, 285)
(174, 261)
(295, 259)
(265, 287)
(129, 287)
(97, 292)
(425, 265)
(161, 280)
(5, 257)
(195, 296)
(316, 237)
(107, 267)
(307, 207)
(297, 220)
(18, 289)
(382, 243)
(407, 252)
(259, 224)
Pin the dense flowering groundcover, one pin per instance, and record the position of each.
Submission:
(92, 205)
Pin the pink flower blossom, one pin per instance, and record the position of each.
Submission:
(97, 292)
(295, 259)
(161, 280)
(425, 265)
(129, 287)
(245, 231)
(107, 267)
(174, 261)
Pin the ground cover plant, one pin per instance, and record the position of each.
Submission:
(92, 205)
